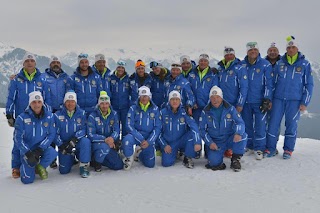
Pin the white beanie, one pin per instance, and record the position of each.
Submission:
(54, 58)
(99, 57)
(215, 90)
(104, 98)
(28, 56)
(291, 42)
(174, 94)
(35, 96)
(252, 45)
(185, 58)
(204, 56)
(228, 50)
(70, 96)
(82, 56)
(144, 90)
(176, 65)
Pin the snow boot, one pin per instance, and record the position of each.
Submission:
(258, 154)
(187, 162)
(97, 167)
(127, 163)
(268, 154)
(137, 152)
(15, 173)
(54, 164)
(180, 155)
(42, 172)
(84, 172)
(228, 153)
(235, 162)
(287, 155)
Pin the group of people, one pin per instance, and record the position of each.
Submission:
(109, 119)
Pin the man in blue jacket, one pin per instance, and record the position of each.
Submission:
(33, 134)
(179, 131)
(71, 136)
(57, 82)
(186, 65)
(144, 127)
(292, 95)
(86, 84)
(104, 72)
(233, 80)
(103, 131)
(221, 124)
(258, 100)
(29, 79)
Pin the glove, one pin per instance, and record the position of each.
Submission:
(68, 148)
(33, 157)
(264, 107)
(11, 120)
(215, 70)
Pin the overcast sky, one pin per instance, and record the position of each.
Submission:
(57, 27)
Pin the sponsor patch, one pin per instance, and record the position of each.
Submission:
(45, 124)
(228, 115)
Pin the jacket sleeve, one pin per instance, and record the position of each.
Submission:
(193, 128)
(58, 141)
(188, 94)
(18, 135)
(108, 86)
(130, 124)
(46, 94)
(92, 131)
(12, 92)
(157, 127)
(51, 134)
(308, 86)
(116, 127)
(268, 82)
(239, 125)
(203, 129)
(70, 84)
(163, 143)
(83, 129)
(99, 87)
(243, 83)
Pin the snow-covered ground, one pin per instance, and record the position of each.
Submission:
(270, 185)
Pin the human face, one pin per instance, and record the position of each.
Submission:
(229, 57)
(203, 63)
(273, 52)
(144, 99)
(253, 54)
(84, 65)
(36, 106)
(186, 66)
(70, 105)
(175, 72)
(120, 71)
(29, 65)
(100, 65)
(156, 70)
(291, 51)
(215, 100)
(140, 71)
(104, 107)
(55, 66)
(175, 103)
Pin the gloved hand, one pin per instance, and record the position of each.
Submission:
(33, 157)
(11, 120)
(214, 70)
(69, 147)
(265, 105)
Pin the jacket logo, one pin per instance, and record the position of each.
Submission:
(93, 82)
(39, 84)
(45, 124)
(152, 115)
(113, 81)
(182, 120)
(77, 79)
(258, 70)
(208, 79)
(228, 115)
(78, 120)
(230, 72)
(245, 77)
(299, 69)
(111, 122)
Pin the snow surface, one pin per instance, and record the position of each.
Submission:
(270, 185)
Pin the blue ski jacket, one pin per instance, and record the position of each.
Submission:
(120, 91)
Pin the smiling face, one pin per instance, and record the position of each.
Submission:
(84, 65)
(140, 71)
(273, 52)
(156, 70)
(100, 65)
(253, 53)
(29, 65)
(104, 107)
(186, 65)
(70, 105)
(292, 50)
(229, 57)
(55, 66)
(175, 72)
(203, 63)
(175, 103)
(144, 99)
(216, 100)
(36, 106)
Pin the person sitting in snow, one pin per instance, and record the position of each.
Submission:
(144, 126)
(220, 124)
(34, 132)
(179, 131)
(71, 136)
(103, 131)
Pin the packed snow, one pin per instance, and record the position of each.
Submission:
(270, 185)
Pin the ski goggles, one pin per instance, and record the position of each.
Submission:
(104, 99)
(155, 64)
(83, 56)
(140, 64)
(204, 56)
(121, 63)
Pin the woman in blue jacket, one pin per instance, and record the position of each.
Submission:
(33, 134)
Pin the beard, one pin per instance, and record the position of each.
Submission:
(56, 69)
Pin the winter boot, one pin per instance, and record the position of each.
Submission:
(228, 153)
(127, 162)
(54, 164)
(180, 155)
(15, 173)
(235, 162)
(258, 154)
(187, 162)
(42, 172)
(137, 152)
(84, 172)
(287, 155)
(268, 154)
(97, 167)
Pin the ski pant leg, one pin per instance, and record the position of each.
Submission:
(168, 159)
(196, 114)
(15, 157)
(215, 157)
(127, 145)
(188, 142)
(65, 163)
(247, 115)
(113, 160)
(27, 172)
(147, 156)
(274, 124)
(122, 113)
(292, 116)
(260, 124)
(49, 154)
(83, 148)
(239, 147)
(100, 151)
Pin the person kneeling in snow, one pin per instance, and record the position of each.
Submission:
(103, 131)
(144, 126)
(71, 136)
(179, 131)
(33, 134)
(220, 124)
